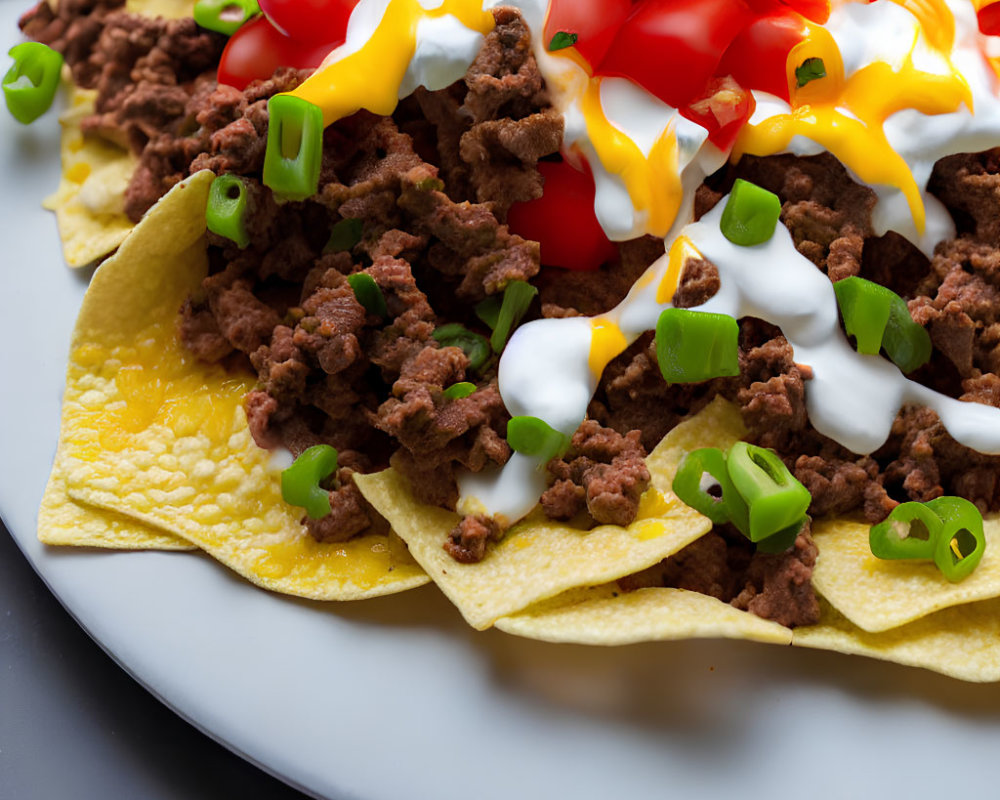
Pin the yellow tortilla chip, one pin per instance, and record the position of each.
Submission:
(89, 203)
(606, 616)
(962, 642)
(151, 433)
(168, 9)
(539, 558)
(876, 594)
(64, 522)
(718, 424)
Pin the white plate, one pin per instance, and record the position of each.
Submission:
(396, 697)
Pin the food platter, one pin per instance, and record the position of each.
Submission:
(397, 697)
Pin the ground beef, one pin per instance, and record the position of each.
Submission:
(725, 565)
(467, 541)
(220, 129)
(437, 434)
(151, 76)
(351, 513)
(329, 370)
(699, 282)
(778, 586)
(603, 473)
(827, 213)
(72, 27)
(632, 394)
(487, 135)
(969, 186)
(571, 293)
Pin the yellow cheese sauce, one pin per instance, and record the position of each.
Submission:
(846, 114)
(159, 382)
(606, 343)
(653, 182)
(370, 77)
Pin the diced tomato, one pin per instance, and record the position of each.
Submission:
(816, 10)
(563, 221)
(257, 49)
(723, 110)
(757, 56)
(672, 47)
(313, 21)
(989, 19)
(595, 23)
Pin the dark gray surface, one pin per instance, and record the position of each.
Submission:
(73, 724)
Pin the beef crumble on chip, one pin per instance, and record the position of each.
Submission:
(386, 281)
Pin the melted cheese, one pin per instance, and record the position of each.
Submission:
(652, 181)
(846, 115)
(680, 251)
(606, 343)
(156, 389)
(368, 74)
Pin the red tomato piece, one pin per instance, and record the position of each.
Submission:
(757, 56)
(595, 23)
(816, 10)
(989, 19)
(313, 21)
(723, 110)
(563, 221)
(672, 47)
(257, 49)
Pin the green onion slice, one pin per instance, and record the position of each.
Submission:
(911, 530)
(775, 498)
(344, 235)
(224, 16)
(368, 293)
(809, 70)
(300, 483)
(751, 214)
(30, 85)
(489, 311)
(962, 541)
(459, 390)
(535, 437)
(878, 319)
(294, 152)
(779, 542)
(702, 482)
(695, 346)
(226, 211)
(905, 342)
(456, 335)
(562, 40)
(865, 308)
(517, 298)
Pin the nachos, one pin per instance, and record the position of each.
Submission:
(612, 335)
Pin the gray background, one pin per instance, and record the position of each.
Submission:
(73, 724)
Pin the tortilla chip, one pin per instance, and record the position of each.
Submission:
(876, 594)
(89, 203)
(606, 616)
(539, 558)
(151, 433)
(962, 642)
(718, 424)
(168, 9)
(64, 522)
